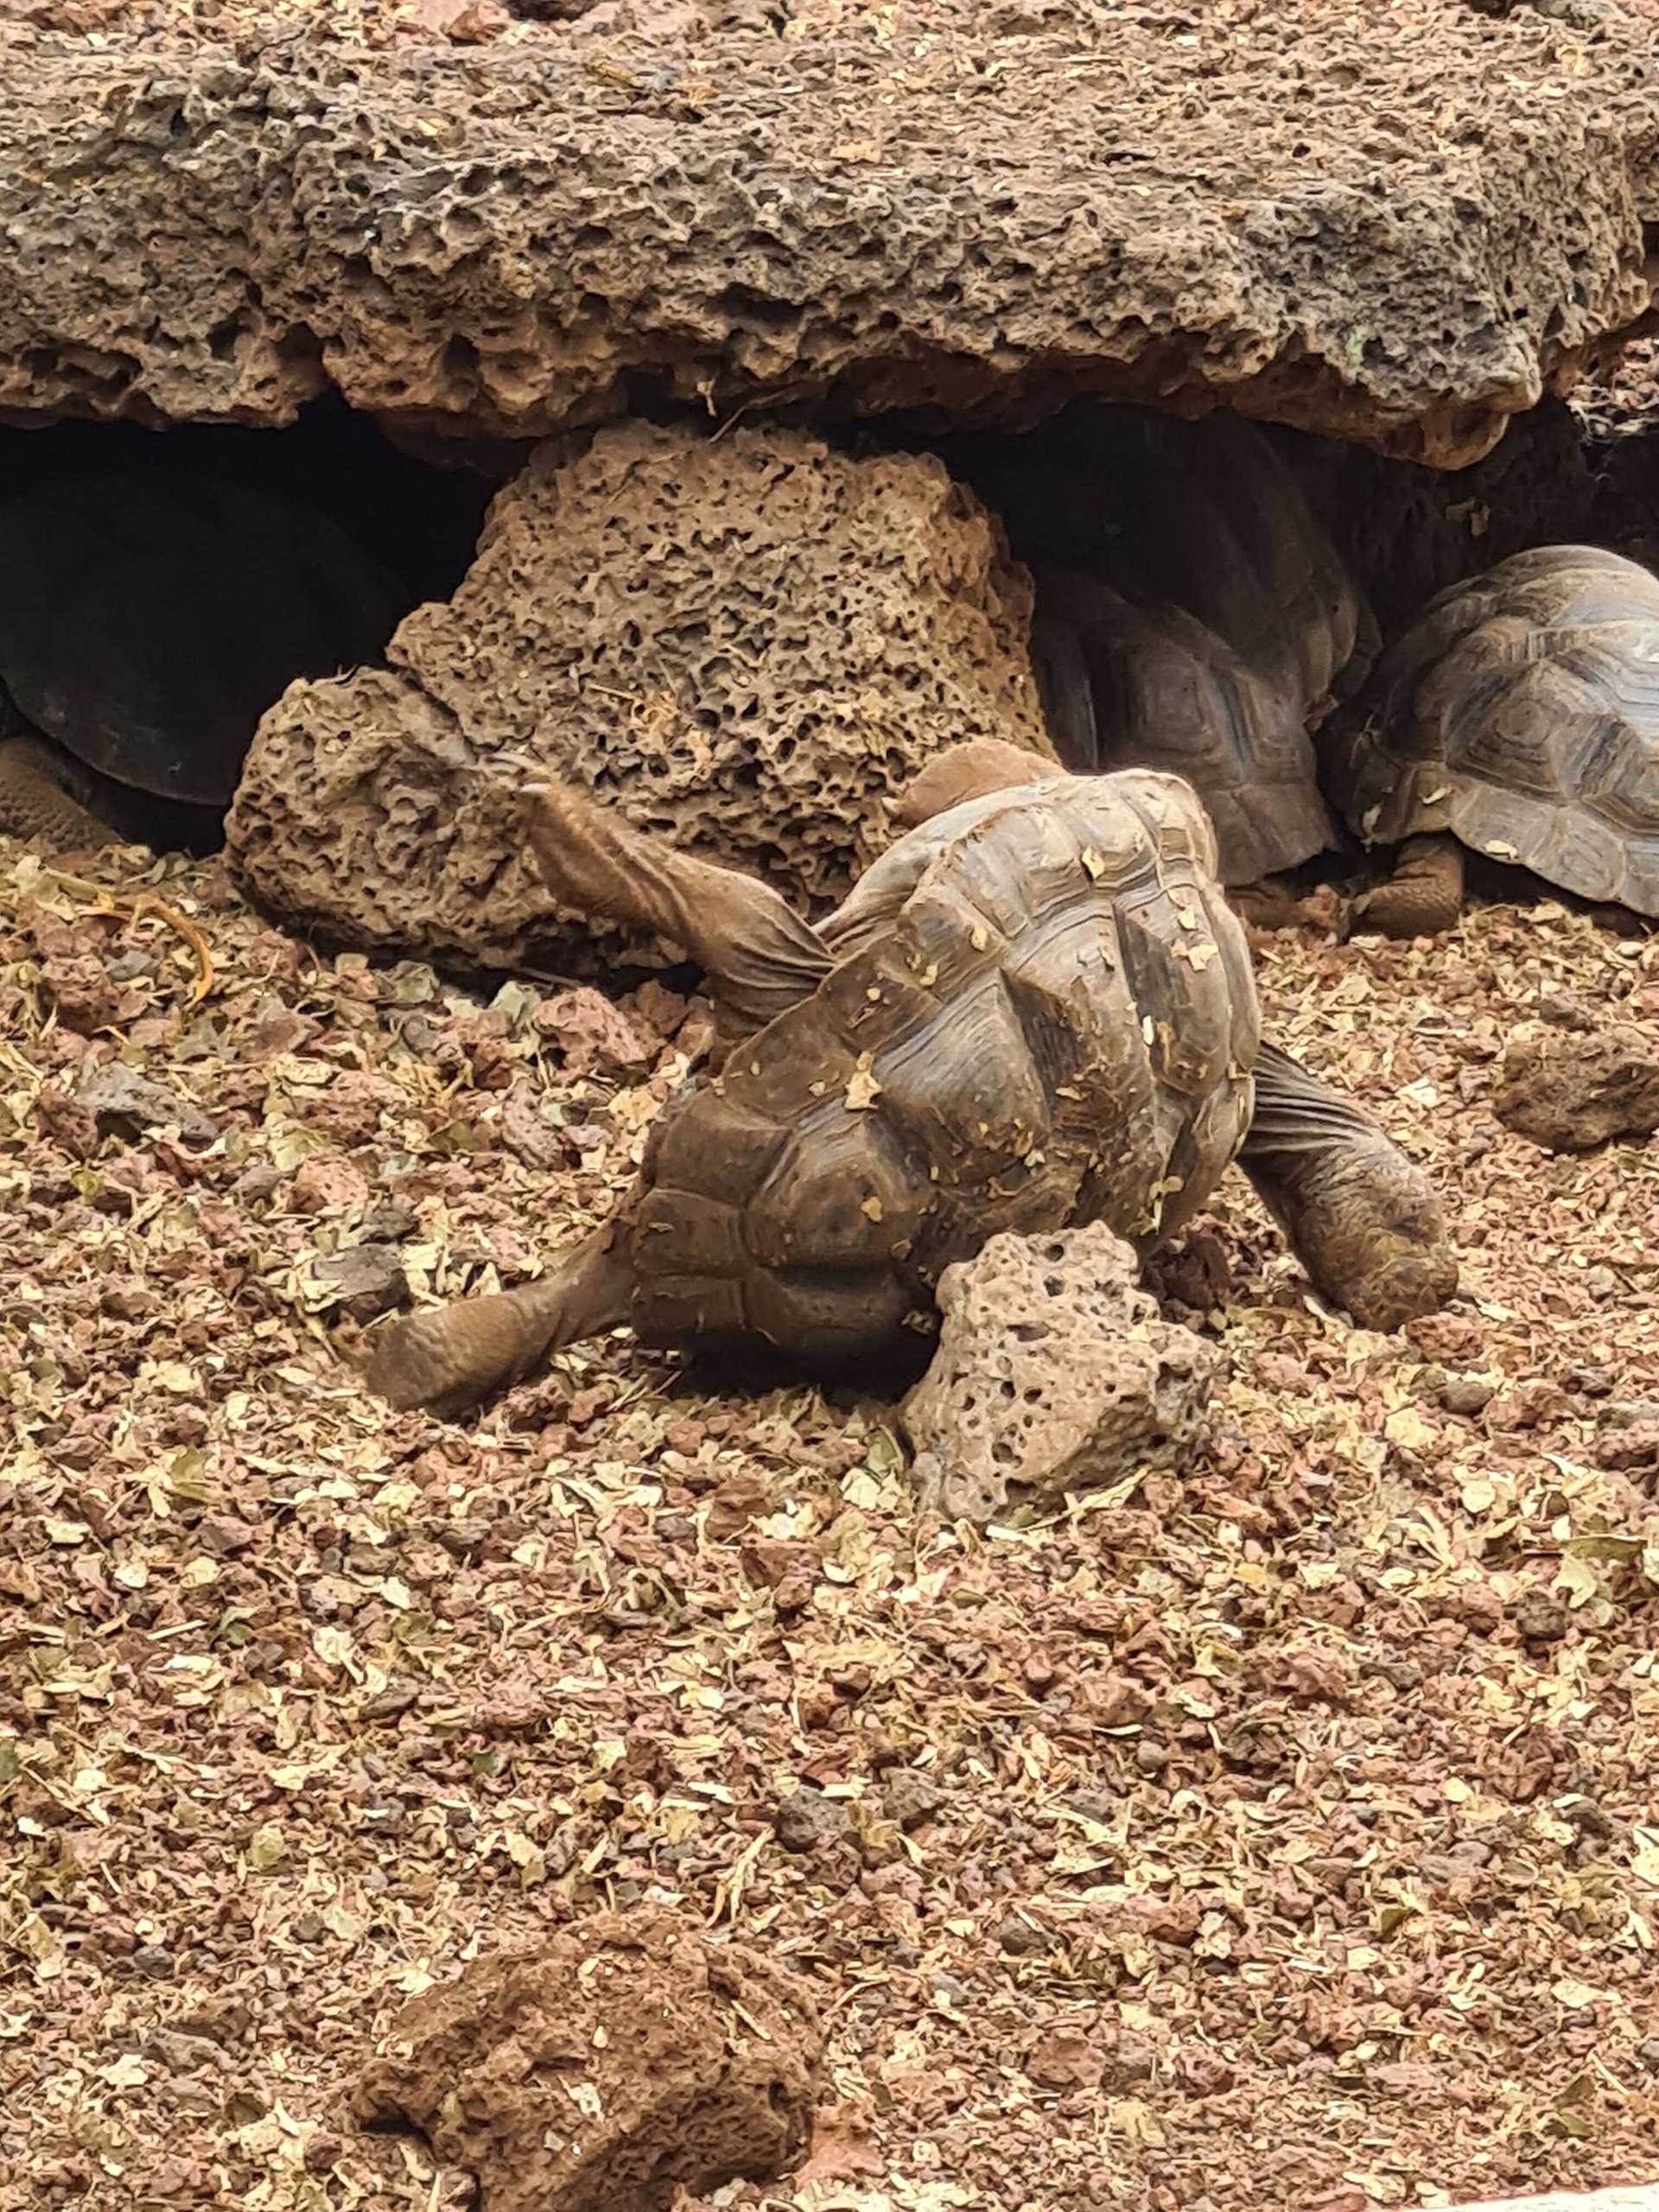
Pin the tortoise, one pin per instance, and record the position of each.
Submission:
(147, 618)
(1191, 613)
(1149, 686)
(1519, 716)
(1036, 1010)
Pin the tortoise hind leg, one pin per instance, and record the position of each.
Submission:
(445, 1360)
(760, 958)
(1424, 895)
(34, 803)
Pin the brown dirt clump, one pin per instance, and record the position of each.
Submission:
(749, 643)
(592, 2074)
(1396, 223)
(1568, 1091)
(1309, 1794)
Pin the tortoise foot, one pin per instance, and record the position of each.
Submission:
(1269, 905)
(447, 1361)
(425, 1363)
(1363, 1217)
(35, 805)
(1422, 897)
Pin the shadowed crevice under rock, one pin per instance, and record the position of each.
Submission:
(1397, 225)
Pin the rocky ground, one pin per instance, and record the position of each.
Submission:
(1282, 1836)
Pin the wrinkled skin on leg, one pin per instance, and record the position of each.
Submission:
(449, 1358)
(1423, 897)
(34, 802)
(1272, 904)
(1364, 1221)
(1264, 905)
(759, 954)
(759, 958)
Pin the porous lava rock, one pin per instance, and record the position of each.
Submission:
(1054, 1373)
(627, 2056)
(749, 643)
(1400, 223)
(1570, 1091)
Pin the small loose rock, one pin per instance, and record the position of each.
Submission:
(1539, 1618)
(807, 1820)
(1570, 1092)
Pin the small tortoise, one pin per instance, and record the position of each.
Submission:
(147, 618)
(1519, 717)
(1192, 613)
(1034, 1011)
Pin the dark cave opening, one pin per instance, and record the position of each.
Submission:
(1115, 495)
(160, 589)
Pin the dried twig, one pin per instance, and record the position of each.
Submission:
(137, 904)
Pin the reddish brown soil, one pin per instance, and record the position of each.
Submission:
(1280, 1836)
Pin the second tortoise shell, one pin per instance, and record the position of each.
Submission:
(1521, 712)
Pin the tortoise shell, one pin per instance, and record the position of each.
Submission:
(1152, 541)
(149, 618)
(1042, 1014)
(1214, 520)
(1521, 713)
(1149, 686)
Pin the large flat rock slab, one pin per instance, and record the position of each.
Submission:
(1400, 225)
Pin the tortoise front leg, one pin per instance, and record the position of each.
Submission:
(760, 958)
(448, 1358)
(1423, 897)
(32, 804)
(1364, 1219)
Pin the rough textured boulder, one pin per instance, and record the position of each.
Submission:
(630, 2055)
(748, 642)
(1399, 224)
(1569, 1092)
(1054, 1373)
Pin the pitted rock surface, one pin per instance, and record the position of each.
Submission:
(1054, 1373)
(749, 643)
(1570, 1092)
(1399, 224)
(629, 2054)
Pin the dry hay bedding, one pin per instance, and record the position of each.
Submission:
(1281, 1837)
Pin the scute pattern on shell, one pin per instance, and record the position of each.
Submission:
(1043, 1014)
(1521, 713)
(1192, 611)
(108, 645)
(1152, 686)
